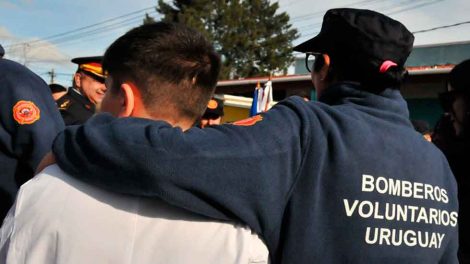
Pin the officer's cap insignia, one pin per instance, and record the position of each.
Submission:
(249, 121)
(26, 112)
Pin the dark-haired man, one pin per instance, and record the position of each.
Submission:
(87, 91)
(162, 72)
(343, 180)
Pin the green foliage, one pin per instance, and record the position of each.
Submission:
(251, 37)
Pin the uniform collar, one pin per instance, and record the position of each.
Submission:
(76, 90)
(351, 93)
(78, 96)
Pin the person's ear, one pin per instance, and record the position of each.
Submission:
(127, 99)
(77, 78)
(326, 67)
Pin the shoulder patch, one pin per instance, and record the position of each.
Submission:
(26, 112)
(249, 121)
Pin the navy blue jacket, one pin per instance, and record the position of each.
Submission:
(29, 121)
(345, 180)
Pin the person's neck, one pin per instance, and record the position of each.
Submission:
(173, 120)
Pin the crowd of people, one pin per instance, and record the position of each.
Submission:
(154, 178)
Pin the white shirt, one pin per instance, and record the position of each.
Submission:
(58, 219)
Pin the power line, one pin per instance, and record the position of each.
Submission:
(83, 28)
(81, 36)
(48, 60)
(85, 35)
(389, 7)
(421, 5)
(441, 27)
(56, 73)
(313, 28)
(317, 14)
(414, 7)
(96, 31)
(351, 4)
(322, 12)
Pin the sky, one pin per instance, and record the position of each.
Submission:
(46, 34)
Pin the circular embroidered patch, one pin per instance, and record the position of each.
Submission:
(26, 112)
(212, 104)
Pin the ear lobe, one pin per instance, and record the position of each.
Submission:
(127, 100)
(327, 59)
(326, 67)
(77, 79)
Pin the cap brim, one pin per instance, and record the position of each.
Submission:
(315, 44)
(83, 60)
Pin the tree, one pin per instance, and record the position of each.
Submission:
(251, 37)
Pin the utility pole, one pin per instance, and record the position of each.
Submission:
(25, 54)
(52, 74)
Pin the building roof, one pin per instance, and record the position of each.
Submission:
(416, 70)
(422, 57)
(436, 59)
(275, 79)
(439, 54)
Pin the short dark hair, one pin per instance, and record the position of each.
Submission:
(174, 66)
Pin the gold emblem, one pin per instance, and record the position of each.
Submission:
(64, 105)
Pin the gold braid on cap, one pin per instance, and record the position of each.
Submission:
(94, 68)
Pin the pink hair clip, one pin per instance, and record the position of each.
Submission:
(386, 65)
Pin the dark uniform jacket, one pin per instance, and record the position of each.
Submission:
(345, 180)
(457, 151)
(29, 121)
(75, 108)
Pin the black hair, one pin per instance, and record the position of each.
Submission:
(366, 71)
(174, 67)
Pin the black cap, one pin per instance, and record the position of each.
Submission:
(215, 108)
(459, 84)
(83, 60)
(2, 51)
(91, 65)
(55, 88)
(459, 77)
(373, 35)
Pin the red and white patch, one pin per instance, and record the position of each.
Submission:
(249, 121)
(26, 112)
